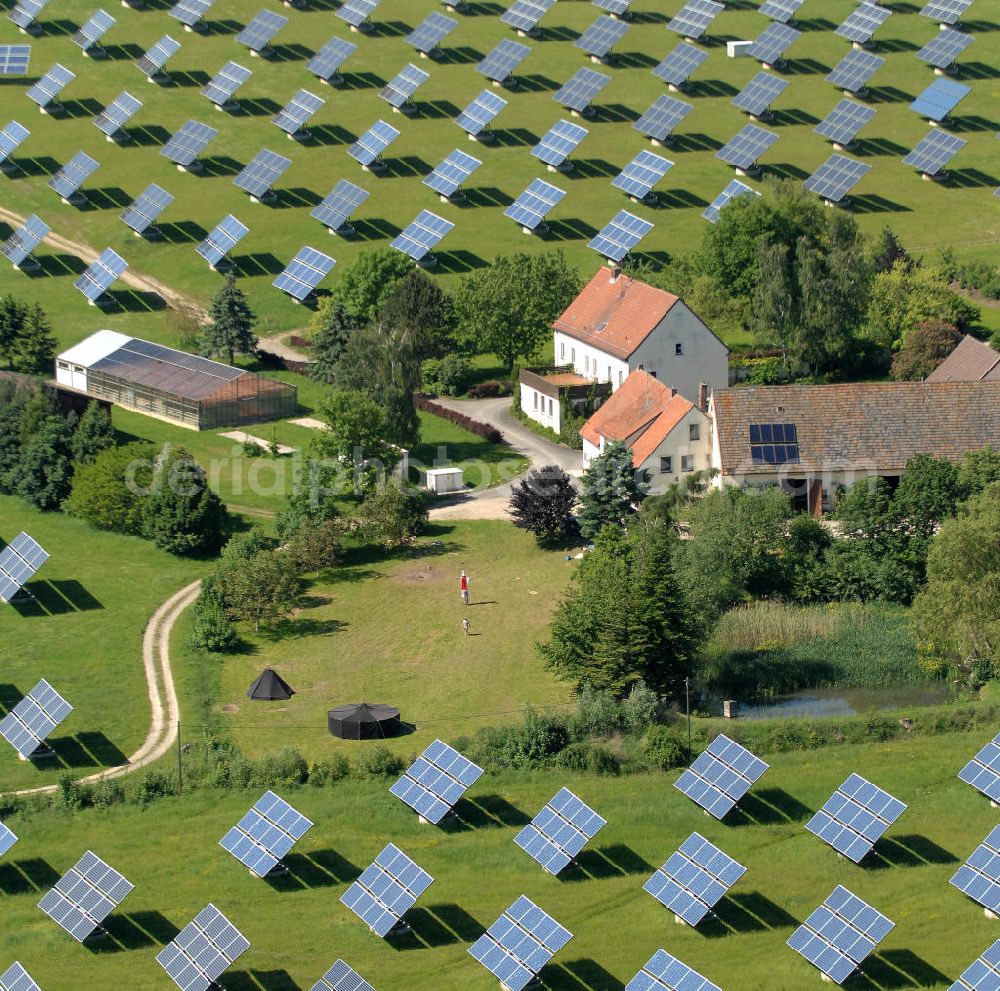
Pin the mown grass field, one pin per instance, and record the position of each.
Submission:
(926, 215)
(298, 928)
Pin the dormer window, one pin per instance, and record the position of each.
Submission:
(600, 326)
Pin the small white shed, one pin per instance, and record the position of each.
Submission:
(443, 480)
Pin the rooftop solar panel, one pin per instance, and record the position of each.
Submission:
(531, 207)
(26, 13)
(386, 890)
(984, 974)
(304, 273)
(422, 236)
(101, 275)
(934, 152)
(620, 235)
(836, 177)
(326, 63)
(191, 12)
(983, 771)
(26, 726)
(581, 89)
(695, 18)
(840, 934)
(260, 32)
(476, 118)
(855, 816)
(746, 146)
(398, 92)
(524, 15)
(188, 143)
(641, 175)
(7, 838)
(265, 834)
(863, 22)
(617, 8)
(300, 109)
(781, 11)
(944, 48)
(854, 70)
(89, 36)
(427, 36)
(678, 66)
(85, 896)
(721, 776)
(222, 239)
(662, 972)
(111, 120)
(357, 13)
(563, 827)
(842, 124)
(501, 63)
(979, 876)
(16, 978)
(559, 143)
(153, 62)
(46, 91)
(17, 249)
(694, 879)
(733, 190)
(519, 944)
(14, 60)
(12, 136)
(199, 954)
(602, 36)
(757, 96)
(145, 210)
(338, 205)
(440, 776)
(222, 88)
(939, 99)
(340, 977)
(68, 179)
(369, 147)
(946, 11)
(448, 178)
(770, 47)
(773, 443)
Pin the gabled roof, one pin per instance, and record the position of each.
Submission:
(971, 361)
(870, 427)
(642, 405)
(615, 315)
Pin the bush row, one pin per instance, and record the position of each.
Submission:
(483, 430)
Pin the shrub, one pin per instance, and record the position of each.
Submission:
(379, 762)
(489, 390)
(597, 714)
(285, 769)
(73, 796)
(251, 449)
(107, 793)
(212, 630)
(449, 375)
(640, 709)
(330, 769)
(153, 785)
(589, 757)
(665, 749)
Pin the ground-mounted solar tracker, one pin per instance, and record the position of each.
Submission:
(221, 240)
(601, 37)
(933, 152)
(26, 13)
(946, 11)
(12, 136)
(386, 891)
(638, 179)
(580, 90)
(558, 143)
(943, 50)
(663, 115)
(782, 11)
(695, 18)
(477, 117)
(341, 977)
(450, 175)
(770, 46)
(854, 71)
(616, 8)
(836, 177)
(297, 112)
(619, 236)
(18, 247)
(336, 208)
(14, 60)
(734, 189)
(530, 209)
(939, 99)
(524, 15)
(7, 838)
(438, 778)
(757, 96)
(844, 122)
(112, 120)
(502, 62)
(398, 92)
(421, 236)
(16, 978)
(201, 952)
(304, 273)
(325, 65)
(88, 38)
(191, 13)
(357, 13)
(979, 876)
(146, 208)
(184, 147)
(560, 831)
(840, 934)
(694, 879)
(519, 944)
(983, 771)
(863, 22)
(663, 972)
(265, 834)
(85, 896)
(222, 87)
(19, 562)
(367, 150)
(427, 36)
(154, 61)
(33, 718)
(71, 176)
(676, 69)
(855, 817)
(45, 93)
(720, 776)
(983, 974)
(744, 149)
(99, 276)
(261, 31)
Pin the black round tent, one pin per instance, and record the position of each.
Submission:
(363, 721)
(270, 687)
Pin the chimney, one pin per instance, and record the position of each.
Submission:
(615, 273)
(673, 392)
(703, 397)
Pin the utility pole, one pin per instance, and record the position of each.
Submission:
(687, 705)
(180, 769)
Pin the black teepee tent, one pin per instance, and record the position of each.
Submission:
(269, 687)
(363, 722)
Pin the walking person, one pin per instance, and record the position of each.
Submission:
(465, 626)
(465, 588)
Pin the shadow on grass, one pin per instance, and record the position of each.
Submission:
(568, 230)
(291, 53)
(978, 70)
(485, 812)
(749, 912)
(132, 301)
(769, 807)
(188, 78)
(906, 851)
(87, 107)
(592, 168)
(694, 142)
(617, 860)
(182, 232)
(613, 113)
(318, 869)
(803, 67)
(361, 80)
(92, 749)
(888, 94)
(122, 53)
(133, 931)
(58, 27)
(895, 969)
(460, 55)
(42, 165)
(514, 137)
(437, 925)
(373, 229)
(458, 261)
(259, 980)
(105, 198)
(404, 166)
(218, 165)
(971, 179)
(580, 975)
(298, 627)
(24, 877)
(866, 147)
(486, 196)
(710, 87)
(677, 198)
(50, 598)
(226, 26)
(258, 263)
(260, 106)
(785, 118)
(873, 203)
(895, 45)
(389, 29)
(330, 134)
(786, 170)
(297, 196)
(970, 123)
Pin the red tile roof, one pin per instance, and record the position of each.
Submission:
(615, 316)
(971, 361)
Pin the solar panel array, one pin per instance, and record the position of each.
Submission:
(695, 18)
(863, 22)
(85, 896)
(840, 934)
(12, 136)
(14, 60)
(101, 275)
(260, 32)
(326, 63)
(340, 977)
(399, 91)
(422, 235)
(678, 66)
(855, 817)
(781, 11)
(357, 13)
(68, 179)
(983, 974)
(746, 146)
(620, 8)
(476, 118)
(450, 174)
(620, 235)
(774, 443)
(983, 771)
(581, 89)
(946, 11)
(501, 63)
(17, 249)
(734, 189)
(758, 94)
(224, 84)
(519, 944)
(304, 273)
(639, 177)
(836, 177)
(524, 15)
(265, 834)
(26, 12)
(663, 115)
(16, 978)
(854, 70)
(113, 118)
(386, 890)
(32, 719)
(944, 48)
(297, 112)
(97, 26)
(694, 879)
(440, 776)
(531, 207)
(337, 206)
(46, 91)
(199, 954)
(934, 152)
(7, 838)
(720, 776)
(21, 558)
(152, 63)
(772, 44)
(261, 173)
(602, 36)
(145, 210)
(563, 827)
(188, 143)
(191, 12)
(979, 876)
(427, 36)
(662, 972)
(939, 99)
(222, 239)
(842, 124)
(369, 147)
(559, 143)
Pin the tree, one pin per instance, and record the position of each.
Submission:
(34, 348)
(890, 251)
(45, 468)
(507, 309)
(11, 414)
(264, 588)
(925, 347)
(94, 434)
(232, 322)
(315, 545)
(976, 470)
(392, 515)
(240, 547)
(609, 493)
(419, 307)
(312, 500)
(543, 504)
(364, 287)
(12, 318)
(773, 300)
(331, 330)
(211, 629)
(106, 491)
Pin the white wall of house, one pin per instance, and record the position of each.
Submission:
(541, 408)
(589, 361)
(685, 450)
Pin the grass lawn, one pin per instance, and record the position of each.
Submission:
(926, 215)
(84, 635)
(297, 927)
